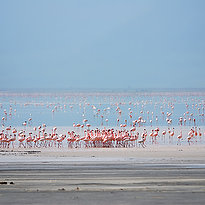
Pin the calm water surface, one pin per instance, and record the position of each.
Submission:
(101, 108)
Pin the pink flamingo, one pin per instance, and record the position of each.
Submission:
(179, 137)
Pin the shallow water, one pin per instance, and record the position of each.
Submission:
(100, 109)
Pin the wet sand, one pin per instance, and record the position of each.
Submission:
(154, 175)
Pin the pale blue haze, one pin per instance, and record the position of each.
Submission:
(102, 44)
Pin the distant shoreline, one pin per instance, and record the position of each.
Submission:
(107, 92)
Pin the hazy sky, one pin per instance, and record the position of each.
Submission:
(102, 44)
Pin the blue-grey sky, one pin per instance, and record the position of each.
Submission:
(102, 44)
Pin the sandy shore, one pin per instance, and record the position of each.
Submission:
(158, 152)
(156, 174)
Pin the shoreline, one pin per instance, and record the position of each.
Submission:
(155, 151)
(152, 175)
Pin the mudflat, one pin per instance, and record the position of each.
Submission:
(154, 175)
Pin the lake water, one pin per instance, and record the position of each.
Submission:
(102, 108)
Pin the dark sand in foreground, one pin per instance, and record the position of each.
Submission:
(155, 175)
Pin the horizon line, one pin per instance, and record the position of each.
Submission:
(101, 90)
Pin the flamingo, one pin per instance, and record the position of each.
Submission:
(163, 134)
(21, 138)
(171, 134)
(142, 141)
(60, 140)
(179, 137)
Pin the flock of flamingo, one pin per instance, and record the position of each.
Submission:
(39, 138)
(134, 131)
